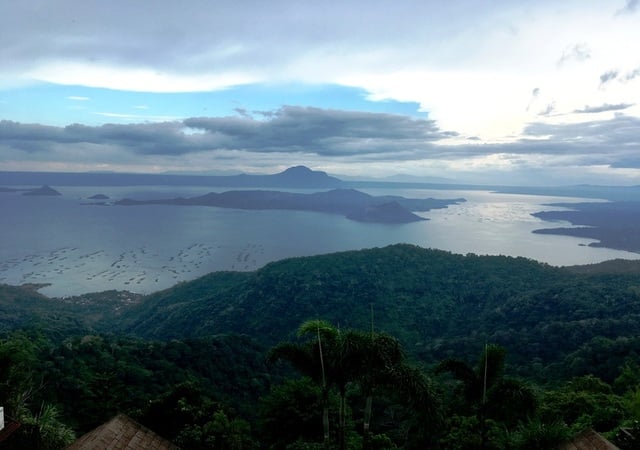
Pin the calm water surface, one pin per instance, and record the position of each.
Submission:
(80, 248)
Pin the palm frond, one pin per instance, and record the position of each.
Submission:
(492, 359)
(313, 327)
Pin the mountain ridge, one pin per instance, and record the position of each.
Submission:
(293, 177)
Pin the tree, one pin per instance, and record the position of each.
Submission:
(42, 431)
(20, 389)
(335, 358)
(292, 412)
(308, 358)
(187, 416)
(535, 434)
(487, 393)
(584, 402)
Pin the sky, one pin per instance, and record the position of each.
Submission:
(493, 92)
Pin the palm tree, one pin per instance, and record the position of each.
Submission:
(386, 366)
(335, 358)
(307, 358)
(486, 390)
(341, 356)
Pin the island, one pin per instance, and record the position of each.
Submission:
(43, 191)
(615, 225)
(98, 200)
(350, 203)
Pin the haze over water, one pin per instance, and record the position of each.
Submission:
(87, 248)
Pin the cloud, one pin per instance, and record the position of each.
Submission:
(317, 137)
(78, 98)
(243, 112)
(612, 75)
(288, 130)
(610, 135)
(320, 131)
(470, 67)
(603, 108)
(453, 58)
(135, 117)
(630, 7)
(121, 44)
(550, 108)
(579, 52)
(534, 95)
(632, 74)
(608, 76)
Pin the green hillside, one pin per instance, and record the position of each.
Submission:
(437, 303)
(193, 362)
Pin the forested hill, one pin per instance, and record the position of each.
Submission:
(439, 304)
(193, 362)
(558, 321)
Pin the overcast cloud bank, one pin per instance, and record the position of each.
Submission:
(514, 91)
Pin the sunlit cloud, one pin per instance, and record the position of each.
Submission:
(131, 78)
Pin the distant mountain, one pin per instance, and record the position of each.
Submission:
(294, 177)
(350, 203)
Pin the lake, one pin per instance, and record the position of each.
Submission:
(79, 248)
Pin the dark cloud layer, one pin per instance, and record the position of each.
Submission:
(614, 135)
(205, 37)
(287, 130)
(323, 133)
(141, 138)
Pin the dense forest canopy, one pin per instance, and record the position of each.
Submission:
(566, 339)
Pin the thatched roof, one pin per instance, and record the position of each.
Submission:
(589, 440)
(121, 433)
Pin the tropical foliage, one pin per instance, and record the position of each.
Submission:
(388, 348)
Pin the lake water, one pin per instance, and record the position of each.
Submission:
(86, 248)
